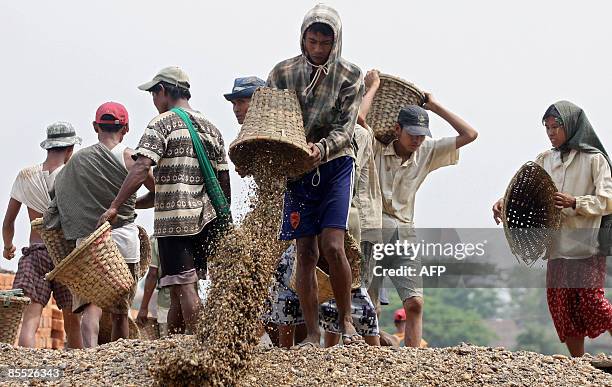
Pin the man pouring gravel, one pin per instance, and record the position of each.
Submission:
(316, 208)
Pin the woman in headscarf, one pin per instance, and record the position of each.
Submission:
(580, 168)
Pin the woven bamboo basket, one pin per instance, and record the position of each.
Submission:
(393, 94)
(145, 251)
(273, 133)
(530, 217)
(325, 291)
(95, 270)
(106, 329)
(149, 330)
(12, 303)
(57, 246)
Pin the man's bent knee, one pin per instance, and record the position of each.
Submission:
(334, 252)
(414, 305)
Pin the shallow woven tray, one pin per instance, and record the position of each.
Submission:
(57, 246)
(96, 270)
(11, 311)
(325, 291)
(145, 251)
(530, 217)
(393, 94)
(272, 133)
(106, 329)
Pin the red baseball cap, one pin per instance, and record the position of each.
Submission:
(114, 109)
(399, 315)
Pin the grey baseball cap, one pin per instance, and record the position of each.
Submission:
(173, 75)
(414, 120)
(60, 134)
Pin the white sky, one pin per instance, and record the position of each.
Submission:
(499, 65)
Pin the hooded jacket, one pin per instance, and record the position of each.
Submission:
(330, 109)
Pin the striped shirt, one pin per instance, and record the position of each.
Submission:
(182, 206)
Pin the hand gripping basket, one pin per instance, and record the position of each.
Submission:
(529, 214)
(95, 270)
(273, 132)
(393, 94)
(57, 246)
(12, 303)
(325, 291)
(145, 251)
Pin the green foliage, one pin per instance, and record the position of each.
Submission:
(528, 307)
(539, 338)
(451, 316)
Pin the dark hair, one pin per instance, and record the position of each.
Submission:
(110, 128)
(174, 92)
(59, 149)
(321, 28)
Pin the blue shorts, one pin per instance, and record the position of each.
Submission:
(320, 199)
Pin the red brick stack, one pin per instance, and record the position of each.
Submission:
(50, 333)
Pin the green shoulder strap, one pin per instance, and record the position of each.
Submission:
(211, 183)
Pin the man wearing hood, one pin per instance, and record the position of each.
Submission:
(329, 90)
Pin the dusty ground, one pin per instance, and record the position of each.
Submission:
(125, 363)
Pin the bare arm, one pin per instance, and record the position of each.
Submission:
(372, 83)
(224, 181)
(149, 287)
(467, 134)
(8, 228)
(134, 180)
(146, 201)
(129, 162)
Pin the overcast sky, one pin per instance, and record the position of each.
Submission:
(498, 65)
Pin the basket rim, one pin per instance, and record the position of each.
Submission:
(14, 299)
(403, 82)
(37, 222)
(249, 138)
(77, 251)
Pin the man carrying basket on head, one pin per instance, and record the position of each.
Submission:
(575, 274)
(329, 90)
(402, 167)
(192, 189)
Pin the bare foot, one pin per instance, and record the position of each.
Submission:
(349, 333)
(311, 341)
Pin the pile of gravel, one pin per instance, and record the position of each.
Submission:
(127, 363)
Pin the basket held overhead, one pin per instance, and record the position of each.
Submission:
(12, 303)
(57, 246)
(273, 132)
(325, 291)
(393, 94)
(95, 270)
(529, 214)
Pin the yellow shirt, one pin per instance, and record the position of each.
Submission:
(585, 176)
(399, 180)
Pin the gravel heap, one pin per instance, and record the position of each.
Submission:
(241, 273)
(126, 363)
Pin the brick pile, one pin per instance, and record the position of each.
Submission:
(50, 333)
